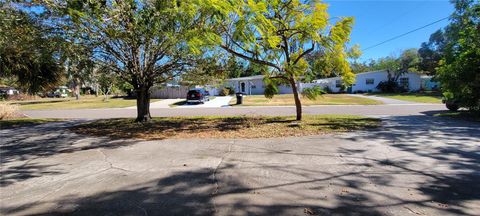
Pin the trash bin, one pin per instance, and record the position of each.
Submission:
(239, 97)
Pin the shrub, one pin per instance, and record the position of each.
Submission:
(390, 86)
(327, 89)
(20, 97)
(226, 91)
(313, 92)
(8, 111)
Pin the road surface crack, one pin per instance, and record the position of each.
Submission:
(214, 175)
(111, 166)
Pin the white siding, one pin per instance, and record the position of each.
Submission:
(414, 81)
(361, 81)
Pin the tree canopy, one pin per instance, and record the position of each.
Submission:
(459, 68)
(279, 34)
(28, 50)
(142, 42)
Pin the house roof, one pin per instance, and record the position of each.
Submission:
(247, 78)
(370, 72)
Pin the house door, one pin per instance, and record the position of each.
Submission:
(242, 87)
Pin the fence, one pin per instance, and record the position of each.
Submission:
(169, 92)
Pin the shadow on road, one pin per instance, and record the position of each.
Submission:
(441, 158)
(25, 144)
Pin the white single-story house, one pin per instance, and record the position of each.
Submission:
(368, 82)
(364, 82)
(253, 85)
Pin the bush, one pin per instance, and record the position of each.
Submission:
(8, 111)
(327, 89)
(390, 86)
(226, 91)
(20, 97)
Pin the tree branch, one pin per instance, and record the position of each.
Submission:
(305, 53)
(258, 61)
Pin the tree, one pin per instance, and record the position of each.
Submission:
(27, 50)
(322, 63)
(142, 42)
(431, 52)
(279, 34)
(459, 69)
(234, 67)
(79, 65)
(106, 80)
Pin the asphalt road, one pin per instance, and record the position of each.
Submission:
(379, 110)
(413, 165)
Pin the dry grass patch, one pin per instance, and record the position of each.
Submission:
(8, 111)
(225, 127)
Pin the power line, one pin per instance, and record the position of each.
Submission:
(399, 36)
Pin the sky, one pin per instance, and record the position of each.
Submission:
(380, 20)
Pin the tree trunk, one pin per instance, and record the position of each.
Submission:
(96, 89)
(143, 104)
(77, 89)
(298, 103)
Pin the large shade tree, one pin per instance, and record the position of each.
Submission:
(28, 49)
(144, 42)
(279, 34)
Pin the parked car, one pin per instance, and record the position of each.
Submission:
(59, 92)
(198, 96)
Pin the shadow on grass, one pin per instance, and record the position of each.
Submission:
(222, 127)
(23, 122)
(461, 115)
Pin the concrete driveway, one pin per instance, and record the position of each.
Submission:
(219, 101)
(414, 165)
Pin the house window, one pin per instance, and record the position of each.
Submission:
(338, 83)
(404, 82)
(369, 81)
(253, 86)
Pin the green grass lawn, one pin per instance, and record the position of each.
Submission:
(225, 127)
(86, 102)
(287, 99)
(413, 97)
(22, 122)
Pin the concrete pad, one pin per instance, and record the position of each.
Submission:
(414, 165)
(219, 101)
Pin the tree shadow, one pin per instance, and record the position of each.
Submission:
(442, 155)
(20, 146)
(450, 145)
(193, 192)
